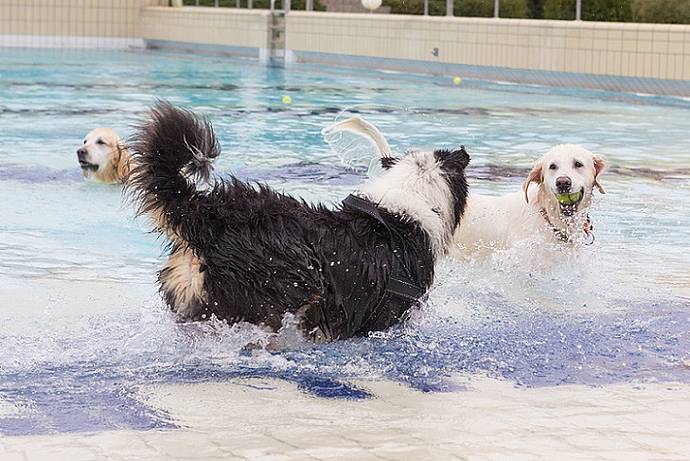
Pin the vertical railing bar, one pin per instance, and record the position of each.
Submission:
(250, 4)
(426, 7)
(288, 6)
(449, 8)
(310, 5)
(578, 10)
(497, 8)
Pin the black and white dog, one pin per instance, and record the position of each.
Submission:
(251, 254)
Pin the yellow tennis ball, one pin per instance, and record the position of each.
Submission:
(287, 99)
(569, 199)
(457, 80)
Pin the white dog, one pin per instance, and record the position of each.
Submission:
(103, 156)
(552, 206)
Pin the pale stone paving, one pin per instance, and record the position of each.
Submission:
(267, 420)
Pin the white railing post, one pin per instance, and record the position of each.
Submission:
(310, 5)
(426, 7)
(449, 7)
(286, 5)
(497, 8)
(578, 10)
(250, 4)
(215, 3)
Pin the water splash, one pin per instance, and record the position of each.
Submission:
(87, 380)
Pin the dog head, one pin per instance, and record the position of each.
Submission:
(103, 156)
(567, 175)
(428, 187)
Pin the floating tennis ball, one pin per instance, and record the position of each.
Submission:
(287, 99)
(569, 199)
(457, 80)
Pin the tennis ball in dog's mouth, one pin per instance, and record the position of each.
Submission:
(287, 99)
(569, 199)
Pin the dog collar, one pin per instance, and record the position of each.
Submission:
(400, 282)
(563, 236)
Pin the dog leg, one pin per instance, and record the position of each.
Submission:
(182, 284)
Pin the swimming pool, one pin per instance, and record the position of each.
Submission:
(85, 337)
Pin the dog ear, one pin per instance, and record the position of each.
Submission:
(459, 157)
(463, 156)
(536, 175)
(122, 164)
(388, 162)
(599, 167)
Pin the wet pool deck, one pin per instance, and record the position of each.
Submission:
(259, 419)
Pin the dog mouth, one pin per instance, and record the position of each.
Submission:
(569, 202)
(86, 166)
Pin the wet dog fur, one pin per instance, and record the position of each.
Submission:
(245, 252)
(495, 222)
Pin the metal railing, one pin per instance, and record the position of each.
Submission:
(450, 7)
(250, 4)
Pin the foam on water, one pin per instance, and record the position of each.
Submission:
(83, 330)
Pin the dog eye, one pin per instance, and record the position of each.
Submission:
(578, 164)
(100, 141)
(85, 141)
(553, 166)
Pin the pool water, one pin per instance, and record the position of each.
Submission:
(84, 333)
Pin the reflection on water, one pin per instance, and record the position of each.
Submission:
(82, 328)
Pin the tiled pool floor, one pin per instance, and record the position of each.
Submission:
(257, 419)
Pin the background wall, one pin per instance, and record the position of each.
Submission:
(77, 23)
(652, 58)
(242, 31)
(619, 49)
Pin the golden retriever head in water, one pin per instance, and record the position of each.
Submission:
(103, 156)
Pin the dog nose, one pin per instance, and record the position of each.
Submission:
(563, 184)
(81, 153)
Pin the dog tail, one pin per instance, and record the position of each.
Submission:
(361, 127)
(170, 147)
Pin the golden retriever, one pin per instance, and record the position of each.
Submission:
(103, 157)
(553, 204)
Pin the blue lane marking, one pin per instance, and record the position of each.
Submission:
(299, 171)
(38, 174)
(651, 343)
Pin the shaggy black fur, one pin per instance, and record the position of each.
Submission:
(264, 254)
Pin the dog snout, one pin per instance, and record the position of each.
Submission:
(563, 184)
(82, 153)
